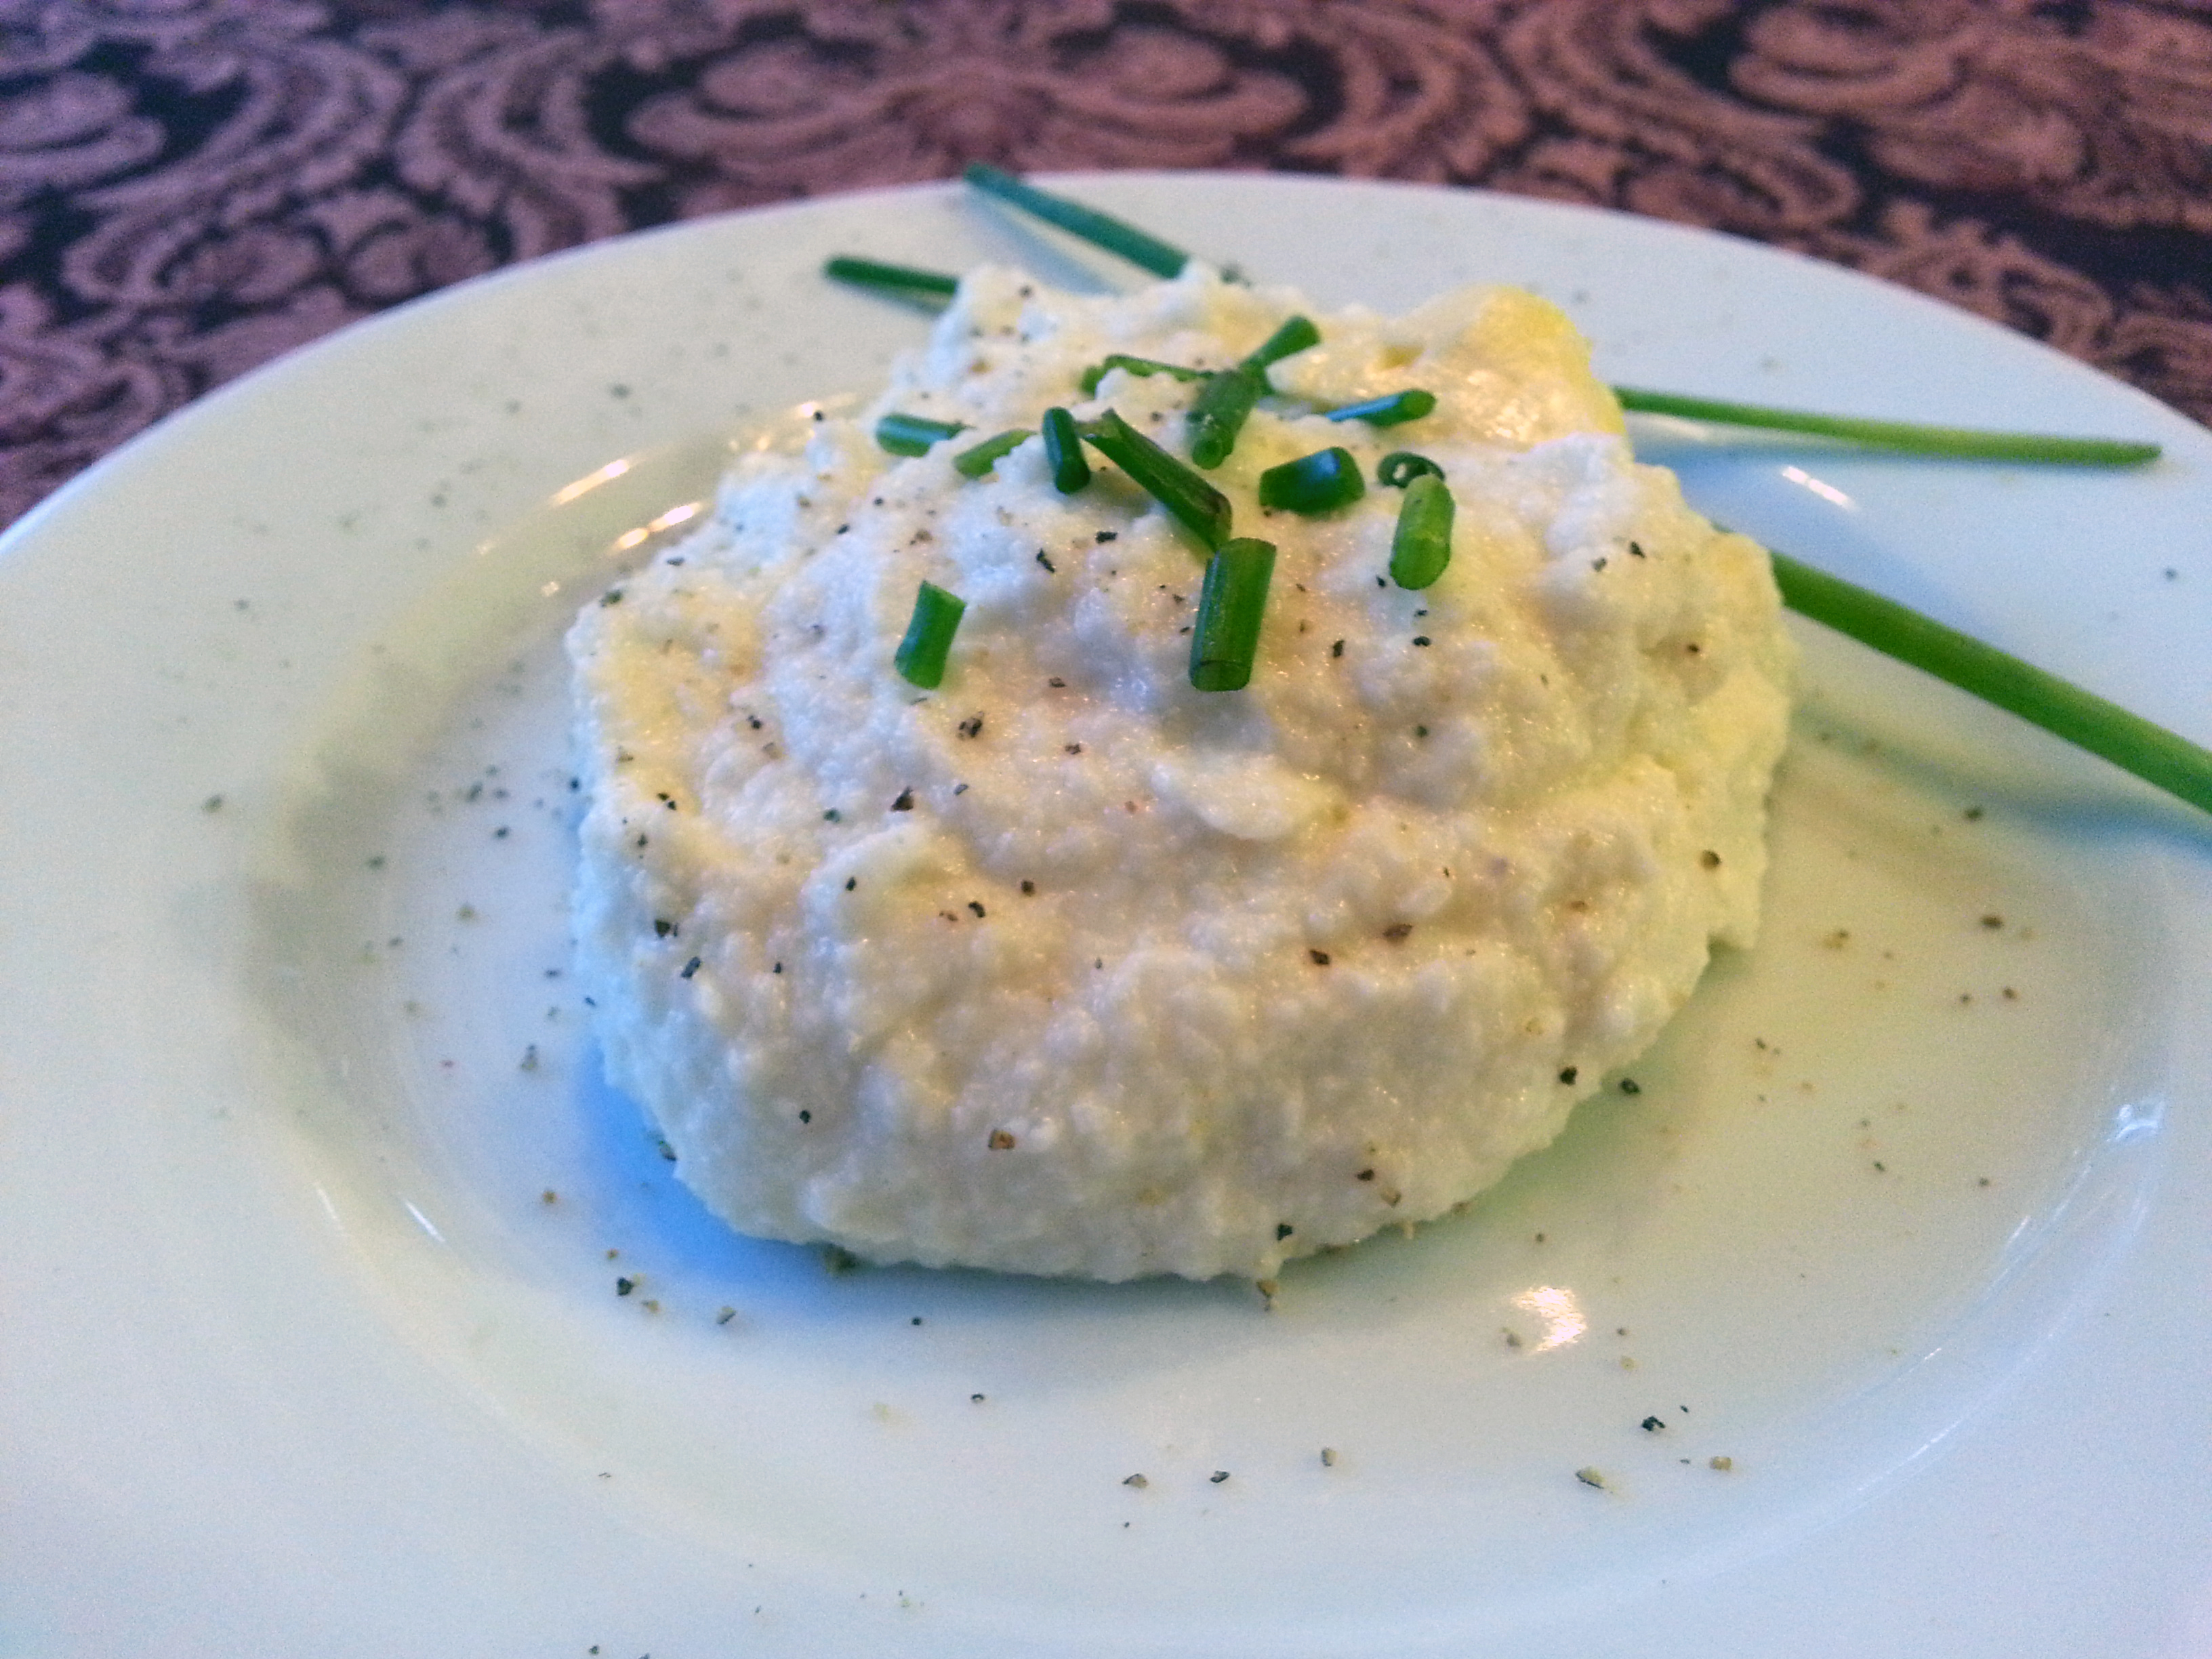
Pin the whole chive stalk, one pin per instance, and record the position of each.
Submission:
(1120, 359)
(1219, 412)
(1961, 443)
(1319, 482)
(1230, 607)
(1195, 503)
(896, 279)
(974, 463)
(922, 654)
(914, 434)
(1394, 411)
(1420, 547)
(1401, 466)
(2151, 752)
(1100, 229)
(1063, 452)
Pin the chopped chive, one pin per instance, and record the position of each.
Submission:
(1063, 451)
(1100, 229)
(1219, 415)
(1230, 606)
(1197, 504)
(1421, 546)
(1319, 482)
(920, 656)
(1961, 443)
(1226, 402)
(873, 273)
(1394, 411)
(1401, 466)
(975, 462)
(1295, 335)
(914, 434)
(1122, 359)
(2151, 752)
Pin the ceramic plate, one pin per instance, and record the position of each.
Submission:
(1877, 1312)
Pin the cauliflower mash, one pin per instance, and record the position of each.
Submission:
(1066, 967)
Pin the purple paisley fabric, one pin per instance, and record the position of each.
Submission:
(190, 187)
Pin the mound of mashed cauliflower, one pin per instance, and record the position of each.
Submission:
(1064, 967)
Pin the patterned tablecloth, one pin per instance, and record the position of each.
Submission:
(190, 187)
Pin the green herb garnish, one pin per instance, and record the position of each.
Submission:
(1319, 482)
(1063, 452)
(1420, 548)
(1227, 399)
(1394, 411)
(874, 273)
(1295, 335)
(2129, 741)
(922, 654)
(1101, 229)
(1961, 443)
(1122, 361)
(974, 463)
(1230, 607)
(1219, 415)
(914, 434)
(1197, 504)
(1401, 466)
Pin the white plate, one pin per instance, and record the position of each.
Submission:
(1911, 1225)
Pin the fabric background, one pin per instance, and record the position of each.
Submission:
(190, 187)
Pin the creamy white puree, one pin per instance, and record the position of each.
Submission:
(1068, 967)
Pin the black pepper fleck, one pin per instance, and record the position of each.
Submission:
(905, 801)
(689, 968)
